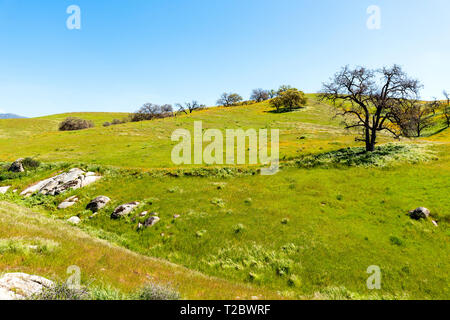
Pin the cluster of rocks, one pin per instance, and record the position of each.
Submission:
(74, 179)
(18, 286)
(94, 206)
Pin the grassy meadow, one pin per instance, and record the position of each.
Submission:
(308, 232)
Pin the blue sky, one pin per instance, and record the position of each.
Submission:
(129, 52)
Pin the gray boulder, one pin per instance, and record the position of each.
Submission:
(68, 203)
(74, 179)
(124, 210)
(18, 286)
(150, 222)
(98, 203)
(17, 166)
(74, 220)
(419, 213)
(3, 190)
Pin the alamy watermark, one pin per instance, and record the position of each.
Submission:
(73, 22)
(374, 20)
(374, 281)
(235, 144)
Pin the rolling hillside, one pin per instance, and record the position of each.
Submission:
(310, 231)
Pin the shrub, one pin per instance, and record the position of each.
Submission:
(61, 291)
(153, 291)
(107, 124)
(29, 163)
(71, 124)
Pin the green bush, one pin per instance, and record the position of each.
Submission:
(29, 163)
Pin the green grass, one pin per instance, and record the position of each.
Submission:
(304, 230)
(310, 231)
(108, 271)
(148, 144)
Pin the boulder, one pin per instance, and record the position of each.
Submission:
(68, 203)
(74, 179)
(3, 190)
(419, 213)
(143, 214)
(124, 210)
(74, 220)
(17, 166)
(98, 203)
(150, 222)
(17, 286)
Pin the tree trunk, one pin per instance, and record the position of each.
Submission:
(371, 138)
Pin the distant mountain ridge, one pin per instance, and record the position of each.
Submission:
(10, 116)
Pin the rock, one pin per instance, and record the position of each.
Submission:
(74, 220)
(143, 214)
(17, 166)
(3, 190)
(74, 179)
(150, 222)
(419, 213)
(176, 216)
(98, 203)
(124, 210)
(16, 286)
(89, 180)
(68, 203)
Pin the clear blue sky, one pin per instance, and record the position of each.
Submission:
(129, 52)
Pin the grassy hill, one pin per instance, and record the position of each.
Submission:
(310, 231)
(111, 270)
(148, 145)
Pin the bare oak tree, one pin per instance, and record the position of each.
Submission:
(413, 116)
(259, 95)
(229, 99)
(190, 106)
(367, 98)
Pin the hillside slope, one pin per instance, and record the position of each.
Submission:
(102, 264)
(148, 144)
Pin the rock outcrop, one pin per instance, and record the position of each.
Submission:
(98, 203)
(419, 213)
(68, 203)
(150, 222)
(17, 286)
(74, 179)
(3, 190)
(74, 220)
(124, 210)
(17, 166)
